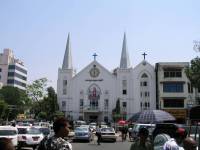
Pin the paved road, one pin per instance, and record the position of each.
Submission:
(104, 145)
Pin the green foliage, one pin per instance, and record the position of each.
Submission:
(42, 115)
(58, 114)
(3, 108)
(116, 112)
(36, 90)
(16, 99)
(193, 72)
(47, 105)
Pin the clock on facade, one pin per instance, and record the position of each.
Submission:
(94, 72)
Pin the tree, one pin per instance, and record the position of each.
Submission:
(16, 99)
(36, 90)
(116, 112)
(193, 73)
(50, 103)
(3, 108)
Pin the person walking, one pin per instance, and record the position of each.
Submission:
(98, 134)
(142, 143)
(57, 141)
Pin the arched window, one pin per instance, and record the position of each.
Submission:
(144, 75)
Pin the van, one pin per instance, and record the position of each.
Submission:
(9, 132)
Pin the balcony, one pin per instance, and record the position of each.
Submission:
(91, 109)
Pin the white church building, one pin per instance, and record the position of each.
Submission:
(91, 94)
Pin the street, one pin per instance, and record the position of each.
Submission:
(119, 145)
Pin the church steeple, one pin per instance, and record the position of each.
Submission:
(125, 62)
(67, 61)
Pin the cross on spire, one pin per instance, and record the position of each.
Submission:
(94, 55)
(144, 54)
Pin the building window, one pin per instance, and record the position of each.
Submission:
(124, 92)
(140, 94)
(63, 105)
(124, 83)
(81, 103)
(144, 75)
(144, 83)
(0, 69)
(172, 73)
(64, 91)
(124, 104)
(173, 87)
(64, 82)
(106, 104)
(173, 103)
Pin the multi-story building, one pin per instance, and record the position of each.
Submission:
(174, 92)
(12, 70)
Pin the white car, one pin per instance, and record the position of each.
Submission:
(108, 133)
(29, 136)
(9, 132)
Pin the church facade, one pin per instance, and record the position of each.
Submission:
(92, 93)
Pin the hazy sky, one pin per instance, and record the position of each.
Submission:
(36, 30)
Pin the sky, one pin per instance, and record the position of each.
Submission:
(36, 31)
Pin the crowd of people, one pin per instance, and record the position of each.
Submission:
(162, 141)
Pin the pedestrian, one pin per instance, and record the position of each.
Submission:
(189, 144)
(57, 141)
(6, 144)
(160, 140)
(98, 134)
(142, 143)
(172, 145)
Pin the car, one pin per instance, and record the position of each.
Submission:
(138, 126)
(108, 133)
(9, 132)
(45, 130)
(29, 136)
(168, 128)
(82, 133)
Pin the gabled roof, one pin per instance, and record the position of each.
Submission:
(94, 62)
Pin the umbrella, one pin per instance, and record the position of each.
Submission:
(122, 122)
(152, 116)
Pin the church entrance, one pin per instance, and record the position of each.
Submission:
(93, 118)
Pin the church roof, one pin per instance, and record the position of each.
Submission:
(125, 62)
(67, 61)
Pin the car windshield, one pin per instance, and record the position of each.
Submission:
(33, 131)
(45, 131)
(22, 130)
(107, 130)
(81, 129)
(8, 132)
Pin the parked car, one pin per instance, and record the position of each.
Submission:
(45, 130)
(138, 126)
(29, 136)
(167, 128)
(82, 133)
(108, 133)
(9, 132)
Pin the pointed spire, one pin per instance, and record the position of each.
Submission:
(67, 61)
(125, 62)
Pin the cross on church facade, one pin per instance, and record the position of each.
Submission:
(144, 54)
(94, 55)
